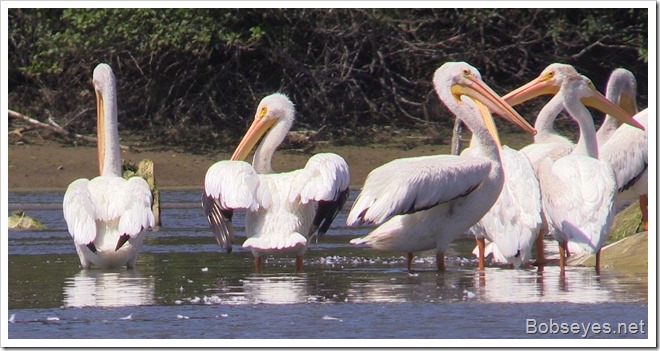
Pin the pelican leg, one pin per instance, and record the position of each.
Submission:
(258, 263)
(562, 257)
(644, 206)
(540, 248)
(299, 263)
(598, 261)
(481, 243)
(409, 261)
(131, 263)
(440, 261)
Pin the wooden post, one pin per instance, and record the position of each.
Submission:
(456, 142)
(146, 171)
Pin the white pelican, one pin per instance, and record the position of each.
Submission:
(625, 147)
(106, 215)
(622, 90)
(547, 142)
(284, 210)
(627, 152)
(513, 223)
(426, 202)
(578, 189)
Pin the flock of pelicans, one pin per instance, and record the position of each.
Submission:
(508, 199)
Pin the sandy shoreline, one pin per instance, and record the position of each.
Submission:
(49, 165)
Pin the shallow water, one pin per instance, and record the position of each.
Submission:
(185, 287)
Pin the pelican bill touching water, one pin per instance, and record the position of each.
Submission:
(578, 189)
(424, 203)
(107, 214)
(284, 210)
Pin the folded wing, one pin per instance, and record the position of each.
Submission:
(409, 185)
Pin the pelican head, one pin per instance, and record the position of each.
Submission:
(274, 109)
(584, 88)
(465, 81)
(622, 89)
(550, 82)
(106, 111)
(547, 83)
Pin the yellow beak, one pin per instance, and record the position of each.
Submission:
(100, 129)
(258, 128)
(537, 87)
(486, 99)
(600, 102)
(542, 85)
(487, 117)
(629, 104)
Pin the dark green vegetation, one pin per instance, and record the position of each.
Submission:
(190, 78)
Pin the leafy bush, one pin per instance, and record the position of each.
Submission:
(191, 77)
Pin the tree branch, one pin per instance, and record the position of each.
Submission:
(55, 128)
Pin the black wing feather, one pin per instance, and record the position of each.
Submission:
(220, 222)
(326, 213)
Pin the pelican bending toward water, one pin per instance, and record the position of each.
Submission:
(625, 147)
(106, 215)
(284, 210)
(577, 189)
(426, 202)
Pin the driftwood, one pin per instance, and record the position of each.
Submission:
(51, 125)
(145, 169)
(456, 142)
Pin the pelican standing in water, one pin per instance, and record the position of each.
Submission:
(512, 225)
(106, 215)
(284, 210)
(578, 189)
(426, 202)
(547, 142)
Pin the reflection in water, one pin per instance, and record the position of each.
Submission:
(108, 289)
(366, 282)
(577, 285)
(266, 289)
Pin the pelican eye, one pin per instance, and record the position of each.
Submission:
(550, 75)
(263, 112)
(466, 72)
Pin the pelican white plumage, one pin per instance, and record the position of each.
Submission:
(578, 189)
(625, 147)
(627, 152)
(106, 215)
(284, 210)
(426, 202)
(622, 90)
(512, 224)
(547, 142)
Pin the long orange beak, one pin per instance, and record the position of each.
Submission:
(600, 102)
(482, 93)
(100, 129)
(543, 86)
(258, 128)
(537, 87)
(628, 103)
